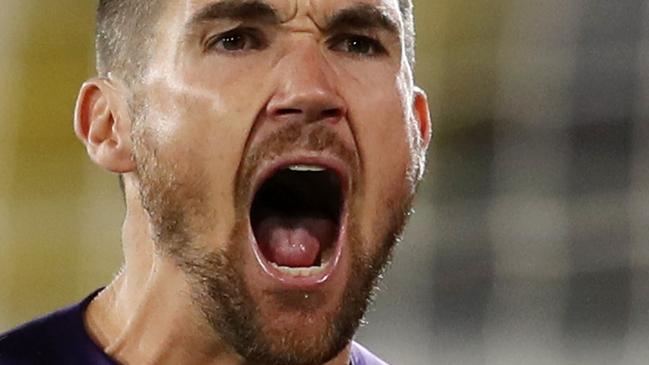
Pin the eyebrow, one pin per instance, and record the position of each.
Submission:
(244, 10)
(357, 16)
(361, 16)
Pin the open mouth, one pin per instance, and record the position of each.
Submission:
(296, 219)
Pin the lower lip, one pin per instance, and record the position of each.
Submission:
(304, 282)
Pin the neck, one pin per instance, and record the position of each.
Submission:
(146, 315)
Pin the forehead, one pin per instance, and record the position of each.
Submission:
(287, 10)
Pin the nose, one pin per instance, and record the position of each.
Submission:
(306, 90)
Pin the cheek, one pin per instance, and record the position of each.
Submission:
(385, 148)
(198, 137)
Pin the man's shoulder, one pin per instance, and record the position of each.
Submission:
(36, 341)
(57, 338)
(362, 356)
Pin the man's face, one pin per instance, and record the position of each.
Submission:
(276, 155)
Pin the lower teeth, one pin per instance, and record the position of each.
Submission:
(300, 271)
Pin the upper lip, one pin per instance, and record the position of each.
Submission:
(321, 158)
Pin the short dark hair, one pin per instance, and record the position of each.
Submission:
(125, 30)
(405, 6)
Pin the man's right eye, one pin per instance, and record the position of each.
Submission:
(236, 40)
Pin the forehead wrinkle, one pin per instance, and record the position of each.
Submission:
(298, 12)
(355, 15)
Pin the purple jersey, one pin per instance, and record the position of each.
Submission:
(61, 338)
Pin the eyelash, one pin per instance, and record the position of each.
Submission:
(252, 35)
(375, 46)
(254, 40)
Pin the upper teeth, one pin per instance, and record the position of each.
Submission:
(306, 168)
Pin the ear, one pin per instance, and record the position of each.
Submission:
(422, 115)
(103, 124)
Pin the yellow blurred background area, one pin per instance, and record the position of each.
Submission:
(530, 240)
(58, 222)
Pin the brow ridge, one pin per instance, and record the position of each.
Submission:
(357, 17)
(244, 10)
(361, 16)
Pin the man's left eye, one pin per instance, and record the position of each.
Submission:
(357, 44)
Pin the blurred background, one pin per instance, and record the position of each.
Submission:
(530, 244)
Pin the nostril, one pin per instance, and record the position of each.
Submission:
(315, 115)
(288, 111)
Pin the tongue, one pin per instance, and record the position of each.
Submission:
(294, 242)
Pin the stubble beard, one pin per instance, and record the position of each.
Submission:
(176, 204)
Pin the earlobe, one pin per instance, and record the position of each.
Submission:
(102, 125)
(422, 114)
